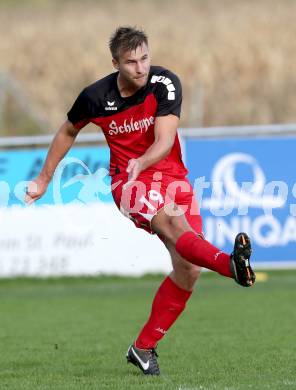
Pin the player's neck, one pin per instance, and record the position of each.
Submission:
(125, 88)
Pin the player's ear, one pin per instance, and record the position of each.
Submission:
(115, 63)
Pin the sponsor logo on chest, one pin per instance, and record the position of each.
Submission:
(130, 126)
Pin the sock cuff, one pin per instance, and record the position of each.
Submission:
(175, 291)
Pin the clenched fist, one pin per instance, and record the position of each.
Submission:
(133, 169)
(36, 189)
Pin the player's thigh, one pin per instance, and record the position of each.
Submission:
(152, 205)
(140, 201)
(170, 222)
(181, 212)
(186, 201)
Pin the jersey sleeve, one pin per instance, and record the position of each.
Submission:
(79, 115)
(168, 94)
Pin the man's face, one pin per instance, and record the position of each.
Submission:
(134, 65)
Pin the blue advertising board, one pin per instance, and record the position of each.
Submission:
(247, 185)
(241, 184)
(81, 177)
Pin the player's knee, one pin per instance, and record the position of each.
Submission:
(192, 277)
(190, 271)
(193, 273)
(187, 275)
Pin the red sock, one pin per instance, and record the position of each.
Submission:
(169, 302)
(201, 252)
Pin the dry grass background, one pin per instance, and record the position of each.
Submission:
(237, 57)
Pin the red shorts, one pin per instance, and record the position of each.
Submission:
(152, 192)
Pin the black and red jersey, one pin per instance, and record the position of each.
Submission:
(128, 122)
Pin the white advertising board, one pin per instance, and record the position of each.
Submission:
(76, 239)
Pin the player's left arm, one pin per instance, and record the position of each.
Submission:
(165, 130)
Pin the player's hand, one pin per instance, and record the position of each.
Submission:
(36, 189)
(133, 169)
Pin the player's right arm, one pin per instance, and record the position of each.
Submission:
(62, 142)
(60, 145)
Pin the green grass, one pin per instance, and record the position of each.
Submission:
(73, 334)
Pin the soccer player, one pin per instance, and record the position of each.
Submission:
(138, 109)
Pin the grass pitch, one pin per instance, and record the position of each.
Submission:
(73, 334)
